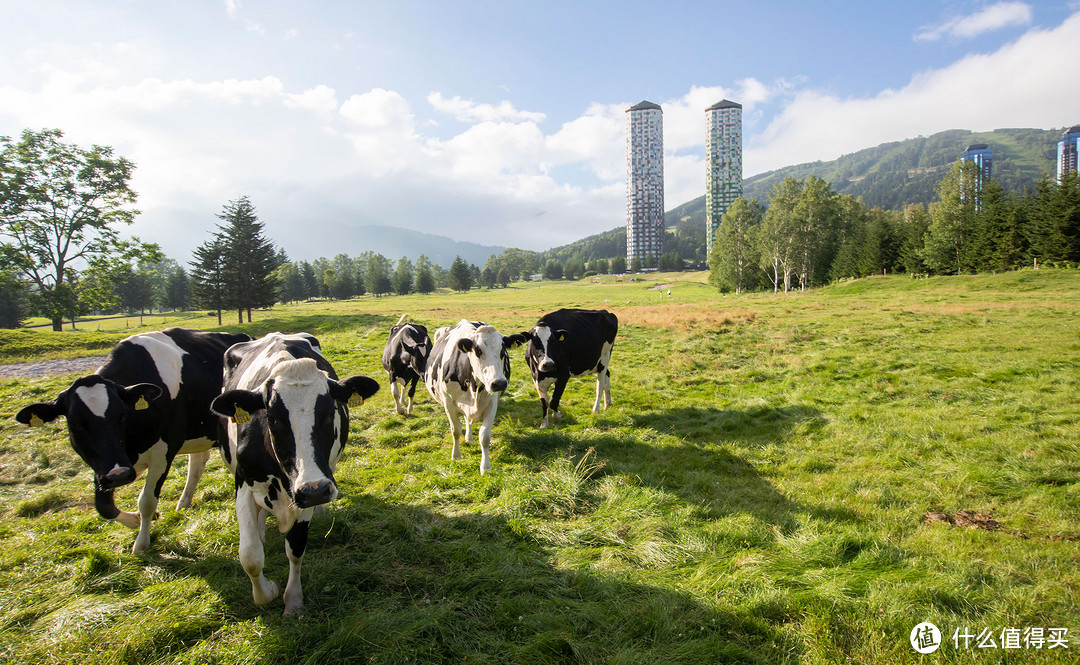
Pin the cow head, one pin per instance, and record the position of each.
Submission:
(544, 348)
(486, 350)
(97, 412)
(304, 416)
(416, 347)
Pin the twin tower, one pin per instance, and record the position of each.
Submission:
(645, 175)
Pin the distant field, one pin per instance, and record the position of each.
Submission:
(756, 494)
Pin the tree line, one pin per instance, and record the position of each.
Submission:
(807, 235)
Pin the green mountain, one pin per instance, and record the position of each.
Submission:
(895, 174)
(888, 176)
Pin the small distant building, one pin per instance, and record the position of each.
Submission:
(1068, 149)
(982, 156)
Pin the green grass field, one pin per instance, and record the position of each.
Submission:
(755, 494)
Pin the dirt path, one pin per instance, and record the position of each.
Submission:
(40, 368)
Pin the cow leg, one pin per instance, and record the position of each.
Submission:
(452, 415)
(196, 466)
(468, 430)
(485, 436)
(295, 544)
(156, 470)
(542, 387)
(607, 388)
(395, 390)
(106, 507)
(599, 390)
(560, 386)
(412, 391)
(252, 523)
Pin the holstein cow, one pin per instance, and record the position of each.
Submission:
(149, 402)
(469, 368)
(405, 359)
(287, 422)
(571, 342)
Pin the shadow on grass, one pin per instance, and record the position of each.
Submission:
(753, 427)
(698, 469)
(393, 583)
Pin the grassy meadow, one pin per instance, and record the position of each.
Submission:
(755, 494)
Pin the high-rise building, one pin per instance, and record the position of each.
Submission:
(723, 164)
(644, 182)
(982, 156)
(1068, 149)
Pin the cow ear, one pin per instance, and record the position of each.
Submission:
(353, 390)
(139, 395)
(514, 341)
(561, 335)
(38, 414)
(237, 404)
(465, 345)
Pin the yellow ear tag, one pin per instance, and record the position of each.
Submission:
(36, 421)
(142, 404)
(241, 416)
(356, 400)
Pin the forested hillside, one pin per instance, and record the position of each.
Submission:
(895, 174)
(888, 176)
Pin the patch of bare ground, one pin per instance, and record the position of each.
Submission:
(683, 316)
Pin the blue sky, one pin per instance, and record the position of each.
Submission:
(500, 122)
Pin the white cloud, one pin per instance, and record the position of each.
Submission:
(470, 111)
(232, 8)
(1012, 87)
(993, 17)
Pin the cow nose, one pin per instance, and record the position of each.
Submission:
(498, 386)
(121, 475)
(547, 366)
(314, 494)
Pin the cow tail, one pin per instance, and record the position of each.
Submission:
(402, 319)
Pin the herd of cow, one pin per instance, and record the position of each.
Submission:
(280, 416)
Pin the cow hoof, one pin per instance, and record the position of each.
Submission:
(270, 592)
(140, 547)
(293, 610)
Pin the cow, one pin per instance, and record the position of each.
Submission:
(405, 359)
(468, 369)
(148, 403)
(571, 342)
(287, 419)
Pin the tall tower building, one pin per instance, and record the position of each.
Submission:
(723, 164)
(1068, 149)
(983, 157)
(644, 182)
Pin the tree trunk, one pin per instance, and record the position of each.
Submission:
(219, 318)
(58, 324)
(240, 315)
(249, 315)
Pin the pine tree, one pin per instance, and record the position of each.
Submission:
(250, 258)
(461, 278)
(403, 277)
(208, 282)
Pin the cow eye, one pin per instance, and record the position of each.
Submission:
(479, 352)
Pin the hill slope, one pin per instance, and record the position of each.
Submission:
(895, 174)
(888, 176)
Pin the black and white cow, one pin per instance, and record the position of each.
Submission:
(468, 369)
(149, 402)
(405, 359)
(287, 419)
(571, 342)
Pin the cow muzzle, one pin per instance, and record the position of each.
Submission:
(498, 385)
(314, 494)
(118, 477)
(547, 366)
